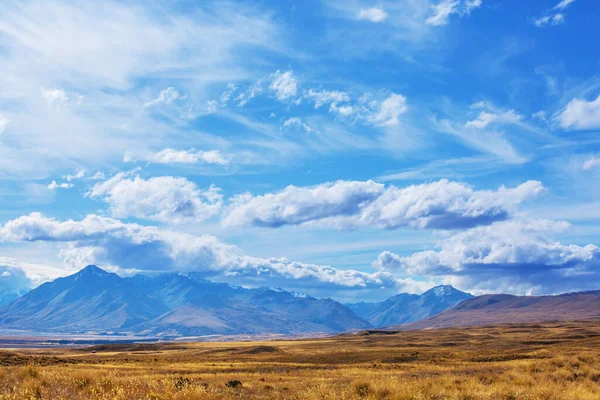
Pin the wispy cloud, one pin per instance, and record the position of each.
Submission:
(553, 16)
(372, 14)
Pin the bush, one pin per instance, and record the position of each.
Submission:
(362, 389)
(233, 384)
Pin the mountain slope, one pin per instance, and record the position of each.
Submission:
(503, 308)
(91, 299)
(405, 308)
(206, 308)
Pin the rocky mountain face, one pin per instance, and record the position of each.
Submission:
(405, 308)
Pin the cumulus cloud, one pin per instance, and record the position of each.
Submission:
(107, 241)
(580, 114)
(164, 198)
(192, 156)
(64, 185)
(491, 115)
(284, 84)
(14, 282)
(373, 14)
(78, 175)
(348, 204)
(486, 118)
(441, 12)
(297, 124)
(515, 251)
(387, 113)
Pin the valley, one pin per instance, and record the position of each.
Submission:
(559, 360)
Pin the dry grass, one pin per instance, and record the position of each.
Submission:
(548, 361)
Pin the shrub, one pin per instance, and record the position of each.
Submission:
(233, 384)
(362, 389)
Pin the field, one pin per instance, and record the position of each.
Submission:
(543, 361)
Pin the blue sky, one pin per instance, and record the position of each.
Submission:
(348, 149)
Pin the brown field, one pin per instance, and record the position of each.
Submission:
(542, 361)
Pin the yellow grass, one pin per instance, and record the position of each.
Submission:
(549, 361)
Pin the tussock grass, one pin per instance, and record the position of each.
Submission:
(545, 361)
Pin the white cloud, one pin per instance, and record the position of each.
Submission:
(78, 175)
(563, 4)
(297, 124)
(553, 16)
(387, 113)
(118, 56)
(56, 97)
(541, 115)
(250, 93)
(228, 93)
(13, 279)
(3, 124)
(65, 185)
(556, 19)
(192, 156)
(345, 204)
(486, 118)
(517, 253)
(284, 84)
(166, 96)
(591, 163)
(580, 114)
(324, 97)
(373, 14)
(98, 176)
(441, 12)
(106, 241)
(165, 198)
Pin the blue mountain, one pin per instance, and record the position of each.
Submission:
(91, 299)
(404, 308)
(94, 300)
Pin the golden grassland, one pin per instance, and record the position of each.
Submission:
(543, 361)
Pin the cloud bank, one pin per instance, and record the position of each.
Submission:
(348, 204)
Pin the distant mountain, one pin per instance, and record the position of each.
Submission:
(91, 299)
(94, 300)
(503, 308)
(7, 295)
(404, 308)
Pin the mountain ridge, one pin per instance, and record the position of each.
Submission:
(405, 308)
(170, 305)
(492, 309)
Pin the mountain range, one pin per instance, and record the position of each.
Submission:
(175, 305)
(495, 309)
(405, 308)
(94, 300)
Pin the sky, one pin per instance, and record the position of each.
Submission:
(351, 150)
